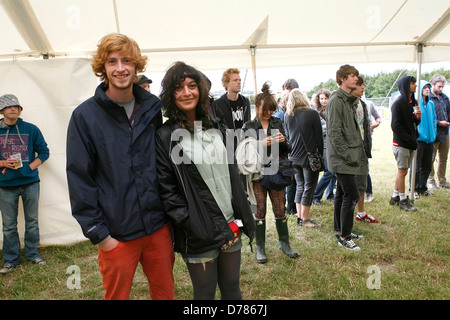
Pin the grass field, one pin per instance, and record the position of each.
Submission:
(405, 257)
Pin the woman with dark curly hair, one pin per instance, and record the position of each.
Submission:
(200, 188)
(269, 131)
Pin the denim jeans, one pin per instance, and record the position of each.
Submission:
(327, 181)
(290, 198)
(347, 196)
(369, 185)
(9, 203)
(423, 165)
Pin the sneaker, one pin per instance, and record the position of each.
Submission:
(368, 218)
(426, 193)
(432, 186)
(352, 236)
(356, 236)
(38, 261)
(394, 200)
(406, 205)
(368, 198)
(348, 244)
(416, 195)
(7, 268)
(445, 185)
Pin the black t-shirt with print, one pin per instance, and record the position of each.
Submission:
(237, 113)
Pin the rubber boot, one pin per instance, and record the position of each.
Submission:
(260, 237)
(283, 236)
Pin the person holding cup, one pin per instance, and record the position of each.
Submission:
(404, 121)
(23, 150)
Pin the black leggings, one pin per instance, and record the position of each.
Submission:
(347, 196)
(224, 270)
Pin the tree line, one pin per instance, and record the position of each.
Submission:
(379, 85)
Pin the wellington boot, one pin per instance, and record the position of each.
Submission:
(260, 238)
(283, 236)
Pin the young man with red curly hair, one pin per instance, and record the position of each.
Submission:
(111, 172)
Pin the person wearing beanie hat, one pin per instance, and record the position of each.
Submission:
(23, 150)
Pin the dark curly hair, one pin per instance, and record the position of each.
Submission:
(174, 76)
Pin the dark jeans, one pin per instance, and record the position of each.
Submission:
(369, 185)
(424, 164)
(290, 197)
(347, 196)
(327, 181)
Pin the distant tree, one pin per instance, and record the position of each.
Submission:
(330, 85)
(382, 84)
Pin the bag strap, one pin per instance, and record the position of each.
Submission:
(304, 141)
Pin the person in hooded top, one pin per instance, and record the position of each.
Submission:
(425, 142)
(404, 121)
(23, 150)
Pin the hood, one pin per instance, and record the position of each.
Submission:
(403, 85)
(3, 126)
(423, 83)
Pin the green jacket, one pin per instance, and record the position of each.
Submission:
(345, 148)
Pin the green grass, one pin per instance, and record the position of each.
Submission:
(411, 251)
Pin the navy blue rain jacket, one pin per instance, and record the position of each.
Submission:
(111, 167)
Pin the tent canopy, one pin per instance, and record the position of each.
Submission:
(207, 33)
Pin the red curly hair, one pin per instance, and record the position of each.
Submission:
(115, 42)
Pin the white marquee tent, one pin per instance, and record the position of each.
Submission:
(46, 44)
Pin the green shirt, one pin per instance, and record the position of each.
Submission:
(207, 151)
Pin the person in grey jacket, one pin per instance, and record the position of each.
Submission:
(345, 153)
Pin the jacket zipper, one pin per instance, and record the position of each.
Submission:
(184, 188)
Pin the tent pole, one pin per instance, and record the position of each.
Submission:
(412, 172)
(253, 54)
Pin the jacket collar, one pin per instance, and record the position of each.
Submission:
(347, 96)
(145, 100)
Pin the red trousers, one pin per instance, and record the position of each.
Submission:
(154, 252)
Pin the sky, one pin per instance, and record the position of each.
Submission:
(306, 76)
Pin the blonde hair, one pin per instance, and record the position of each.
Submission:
(226, 76)
(297, 99)
(115, 42)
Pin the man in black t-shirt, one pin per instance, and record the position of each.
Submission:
(232, 107)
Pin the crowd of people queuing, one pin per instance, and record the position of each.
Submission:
(143, 189)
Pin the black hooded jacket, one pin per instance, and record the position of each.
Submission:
(403, 123)
(197, 221)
